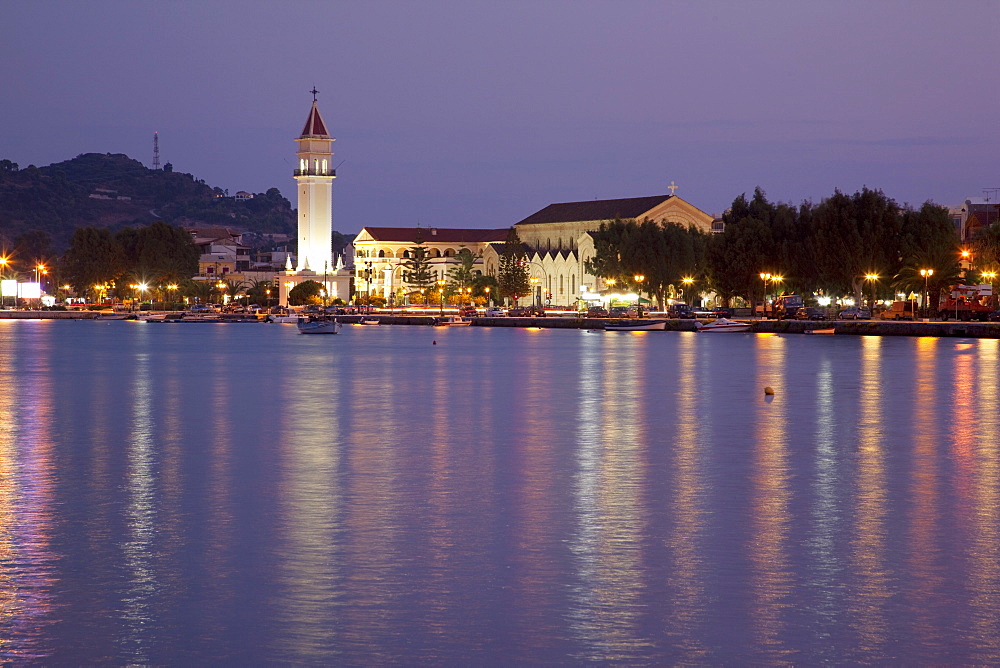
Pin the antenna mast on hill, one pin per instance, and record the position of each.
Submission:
(156, 150)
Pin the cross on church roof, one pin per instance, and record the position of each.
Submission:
(672, 188)
(314, 91)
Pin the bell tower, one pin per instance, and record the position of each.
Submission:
(314, 183)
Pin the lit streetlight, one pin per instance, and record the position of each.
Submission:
(764, 276)
(639, 278)
(687, 281)
(926, 273)
(534, 290)
(3, 274)
(871, 278)
(440, 285)
(489, 302)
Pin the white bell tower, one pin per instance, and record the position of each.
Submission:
(314, 183)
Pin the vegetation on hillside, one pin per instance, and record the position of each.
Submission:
(114, 191)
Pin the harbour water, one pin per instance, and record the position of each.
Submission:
(221, 494)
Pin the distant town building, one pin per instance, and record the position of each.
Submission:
(242, 195)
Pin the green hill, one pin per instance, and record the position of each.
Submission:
(115, 191)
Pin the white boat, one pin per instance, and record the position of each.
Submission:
(368, 321)
(636, 326)
(453, 321)
(107, 315)
(825, 330)
(723, 325)
(288, 319)
(318, 326)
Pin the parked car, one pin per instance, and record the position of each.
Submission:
(722, 312)
(519, 312)
(622, 312)
(701, 311)
(855, 313)
(495, 312)
(597, 312)
(809, 313)
(469, 312)
(679, 310)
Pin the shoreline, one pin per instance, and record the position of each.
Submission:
(941, 329)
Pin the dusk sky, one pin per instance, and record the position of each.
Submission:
(477, 114)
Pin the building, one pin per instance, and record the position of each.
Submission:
(314, 190)
(558, 242)
(380, 254)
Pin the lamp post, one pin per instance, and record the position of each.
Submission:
(639, 278)
(926, 273)
(765, 277)
(966, 255)
(3, 275)
(440, 285)
(534, 291)
(489, 302)
(871, 278)
(687, 281)
(267, 298)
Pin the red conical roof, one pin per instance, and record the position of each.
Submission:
(315, 127)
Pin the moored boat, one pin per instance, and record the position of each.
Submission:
(312, 325)
(636, 326)
(825, 330)
(723, 325)
(453, 321)
(368, 321)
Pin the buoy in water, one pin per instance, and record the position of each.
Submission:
(769, 391)
(434, 343)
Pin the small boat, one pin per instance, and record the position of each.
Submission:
(723, 325)
(368, 321)
(453, 321)
(636, 326)
(104, 315)
(313, 325)
(825, 330)
(288, 318)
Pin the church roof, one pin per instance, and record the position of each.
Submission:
(315, 127)
(435, 234)
(603, 209)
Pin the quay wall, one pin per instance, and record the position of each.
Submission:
(982, 330)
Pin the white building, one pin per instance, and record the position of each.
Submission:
(314, 190)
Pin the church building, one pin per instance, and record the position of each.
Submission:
(558, 242)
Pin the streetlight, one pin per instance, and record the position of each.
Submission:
(639, 278)
(926, 273)
(440, 285)
(489, 302)
(3, 274)
(534, 289)
(871, 278)
(687, 281)
(267, 298)
(765, 277)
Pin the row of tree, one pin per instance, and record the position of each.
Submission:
(826, 248)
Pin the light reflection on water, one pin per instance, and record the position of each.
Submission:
(206, 494)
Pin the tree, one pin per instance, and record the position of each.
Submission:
(417, 265)
(512, 272)
(158, 253)
(306, 292)
(464, 274)
(859, 234)
(94, 258)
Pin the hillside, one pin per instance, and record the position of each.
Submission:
(115, 191)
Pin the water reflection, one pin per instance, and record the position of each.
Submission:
(27, 513)
(868, 546)
(685, 624)
(982, 403)
(310, 501)
(610, 482)
(771, 578)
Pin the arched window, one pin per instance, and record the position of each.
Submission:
(406, 254)
(572, 284)
(561, 286)
(324, 166)
(381, 253)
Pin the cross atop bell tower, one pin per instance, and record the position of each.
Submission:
(314, 186)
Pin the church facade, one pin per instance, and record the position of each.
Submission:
(558, 243)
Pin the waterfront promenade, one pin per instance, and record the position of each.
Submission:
(976, 330)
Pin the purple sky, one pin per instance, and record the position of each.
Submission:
(477, 114)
